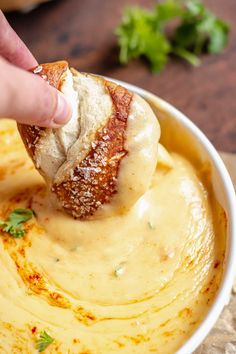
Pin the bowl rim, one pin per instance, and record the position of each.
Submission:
(223, 295)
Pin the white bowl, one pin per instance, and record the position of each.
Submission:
(169, 118)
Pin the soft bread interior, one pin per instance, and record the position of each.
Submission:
(94, 107)
(91, 107)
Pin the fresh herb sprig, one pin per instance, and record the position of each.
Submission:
(13, 225)
(43, 341)
(143, 32)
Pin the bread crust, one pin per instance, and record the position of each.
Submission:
(53, 74)
(92, 182)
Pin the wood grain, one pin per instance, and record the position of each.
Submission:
(82, 33)
(230, 163)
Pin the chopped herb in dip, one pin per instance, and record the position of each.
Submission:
(13, 224)
(151, 225)
(43, 341)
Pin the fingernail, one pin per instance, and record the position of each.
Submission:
(62, 113)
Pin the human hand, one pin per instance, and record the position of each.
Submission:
(26, 97)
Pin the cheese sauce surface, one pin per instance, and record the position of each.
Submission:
(137, 283)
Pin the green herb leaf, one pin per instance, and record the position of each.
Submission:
(168, 10)
(200, 29)
(139, 35)
(151, 225)
(142, 33)
(13, 225)
(43, 341)
(218, 37)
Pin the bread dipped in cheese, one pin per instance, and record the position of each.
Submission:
(103, 159)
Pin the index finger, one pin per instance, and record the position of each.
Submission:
(12, 48)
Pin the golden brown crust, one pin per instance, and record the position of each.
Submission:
(52, 73)
(93, 181)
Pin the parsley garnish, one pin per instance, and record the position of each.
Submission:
(43, 341)
(151, 225)
(13, 225)
(143, 32)
(200, 28)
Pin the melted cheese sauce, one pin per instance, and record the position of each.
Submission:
(137, 283)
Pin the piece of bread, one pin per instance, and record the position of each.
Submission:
(24, 5)
(103, 159)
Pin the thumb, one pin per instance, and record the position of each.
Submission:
(28, 99)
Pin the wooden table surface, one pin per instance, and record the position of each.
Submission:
(81, 31)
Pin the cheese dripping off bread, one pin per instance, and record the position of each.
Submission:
(102, 161)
